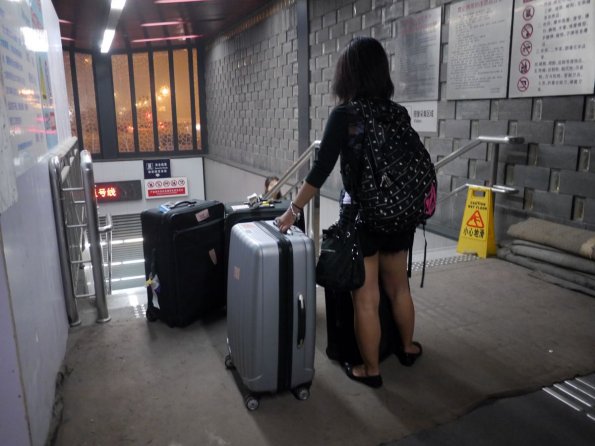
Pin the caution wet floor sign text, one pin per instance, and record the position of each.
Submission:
(477, 228)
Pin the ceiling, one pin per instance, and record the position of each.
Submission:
(84, 21)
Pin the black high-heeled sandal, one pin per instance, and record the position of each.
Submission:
(374, 381)
(408, 359)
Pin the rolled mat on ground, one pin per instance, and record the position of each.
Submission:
(566, 238)
(561, 254)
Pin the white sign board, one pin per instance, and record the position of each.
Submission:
(166, 187)
(417, 62)
(478, 49)
(553, 48)
(424, 115)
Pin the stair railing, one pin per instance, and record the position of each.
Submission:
(312, 209)
(75, 216)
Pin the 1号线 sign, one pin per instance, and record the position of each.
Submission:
(477, 228)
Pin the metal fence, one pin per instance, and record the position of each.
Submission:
(78, 233)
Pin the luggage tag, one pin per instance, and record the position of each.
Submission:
(153, 282)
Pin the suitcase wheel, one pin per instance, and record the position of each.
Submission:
(251, 402)
(229, 363)
(301, 393)
(151, 314)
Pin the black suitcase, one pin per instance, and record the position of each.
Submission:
(183, 250)
(341, 342)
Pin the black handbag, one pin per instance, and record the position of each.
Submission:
(341, 263)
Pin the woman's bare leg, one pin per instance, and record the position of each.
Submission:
(366, 320)
(393, 271)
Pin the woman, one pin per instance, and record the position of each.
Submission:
(362, 72)
(269, 183)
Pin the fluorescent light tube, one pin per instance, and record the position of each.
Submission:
(118, 4)
(108, 37)
(157, 39)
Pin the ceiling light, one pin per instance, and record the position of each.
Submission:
(177, 22)
(179, 1)
(65, 22)
(108, 36)
(192, 36)
(118, 4)
(67, 38)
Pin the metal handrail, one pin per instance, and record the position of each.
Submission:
(75, 212)
(107, 231)
(93, 234)
(312, 210)
(303, 158)
(496, 188)
(479, 140)
(56, 180)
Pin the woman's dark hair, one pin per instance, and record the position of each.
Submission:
(363, 71)
(267, 182)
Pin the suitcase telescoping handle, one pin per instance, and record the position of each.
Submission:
(301, 321)
(166, 207)
(179, 204)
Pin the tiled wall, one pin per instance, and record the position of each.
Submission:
(554, 170)
(251, 85)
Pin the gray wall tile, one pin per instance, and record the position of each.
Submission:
(492, 128)
(536, 131)
(473, 109)
(552, 204)
(589, 212)
(581, 184)
(579, 133)
(532, 176)
(514, 109)
(457, 128)
(558, 157)
(513, 153)
(567, 108)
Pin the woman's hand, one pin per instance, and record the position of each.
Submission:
(295, 209)
(285, 221)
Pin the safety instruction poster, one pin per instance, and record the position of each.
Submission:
(417, 48)
(553, 48)
(166, 187)
(478, 49)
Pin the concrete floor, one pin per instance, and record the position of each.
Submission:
(489, 329)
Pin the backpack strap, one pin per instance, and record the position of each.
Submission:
(410, 261)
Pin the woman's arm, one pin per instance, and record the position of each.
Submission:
(296, 208)
(333, 140)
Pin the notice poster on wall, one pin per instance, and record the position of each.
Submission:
(478, 49)
(417, 64)
(553, 48)
(424, 115)
(8, 181)
(18, 45)
(166, 187)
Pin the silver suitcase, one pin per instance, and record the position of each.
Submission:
(271, 310)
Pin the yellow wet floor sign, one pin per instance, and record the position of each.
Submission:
(477, 228)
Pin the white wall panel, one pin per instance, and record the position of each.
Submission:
(36, 294)
(191, 168)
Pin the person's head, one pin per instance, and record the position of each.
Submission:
(271, 182)
(362, 71)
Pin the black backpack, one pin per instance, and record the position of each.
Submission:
(396, 190)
